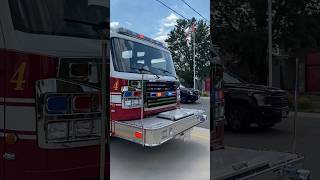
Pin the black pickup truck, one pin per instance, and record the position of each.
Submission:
(248, 104)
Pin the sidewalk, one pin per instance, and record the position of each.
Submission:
(176, 159)
(303, 114)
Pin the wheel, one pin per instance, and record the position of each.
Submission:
(192, 101)
(238, 117)
(184, 99)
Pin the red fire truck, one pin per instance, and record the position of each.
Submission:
(145, 103)
(50, 110)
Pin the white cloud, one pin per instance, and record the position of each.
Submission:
(161, 38)
(128, 23)
(166, 24)
(170, 20)
(114, 24)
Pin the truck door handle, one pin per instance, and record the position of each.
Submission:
(9, 156)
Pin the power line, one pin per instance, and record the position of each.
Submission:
(172, 9)
(194, 10)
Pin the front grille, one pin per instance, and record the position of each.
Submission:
(278, 100)
(160, 94)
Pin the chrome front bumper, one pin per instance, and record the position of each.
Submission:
(158, 129)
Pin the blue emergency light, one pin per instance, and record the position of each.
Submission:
(153, 94)
(169, 93)
(57, 104)
(127, 94)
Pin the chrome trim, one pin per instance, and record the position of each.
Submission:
(160, 107)
(60, 87)
(20, 100)
(157, 130)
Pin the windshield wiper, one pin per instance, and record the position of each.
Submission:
(96, 26)
(142, 69)
(166, 71)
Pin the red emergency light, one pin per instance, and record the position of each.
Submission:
(86, 103)
(141, 36)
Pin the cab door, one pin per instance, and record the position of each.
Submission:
(2, 95)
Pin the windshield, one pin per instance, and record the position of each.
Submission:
(227, 78)
(129, 56)
(48, 16)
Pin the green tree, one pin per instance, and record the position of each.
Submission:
(239, 28)
(182, 54)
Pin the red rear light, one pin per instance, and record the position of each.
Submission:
(137, 93)
(82, 103)
(96, 102)
(86, 103)
(138, 134)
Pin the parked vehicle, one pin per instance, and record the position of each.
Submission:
(188, 95)
(253, 104)
(50, 90)
(240, 163)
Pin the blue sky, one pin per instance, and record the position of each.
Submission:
(151, 18)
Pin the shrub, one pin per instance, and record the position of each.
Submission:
(304, 103)
(205, 94)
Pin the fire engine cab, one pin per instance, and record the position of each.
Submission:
(145, 91)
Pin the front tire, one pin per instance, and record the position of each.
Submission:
(184, 99)
(238, 118)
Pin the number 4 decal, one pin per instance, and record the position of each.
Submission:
(18, 77)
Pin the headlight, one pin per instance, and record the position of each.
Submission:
(136, 102)
(57, 130)
(128, 103)
(261, 99)
(83, 128)
(131, 102)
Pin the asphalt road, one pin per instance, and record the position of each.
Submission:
(204, 104)
(180, 159)
(280, 138)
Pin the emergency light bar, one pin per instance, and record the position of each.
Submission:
(69, 104)
(140, 36)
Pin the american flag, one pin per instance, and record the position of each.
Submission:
(188, 33)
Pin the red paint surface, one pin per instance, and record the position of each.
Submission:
(39, 164)
(313, 59)
(32, 162)
(313, 72)
(2, 78)
(207, 84)
(313, 79)
(37, 67)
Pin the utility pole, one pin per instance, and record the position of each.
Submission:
(296, 89)
(270, 41)
(102, 29)
(194, 55)
(105, 103)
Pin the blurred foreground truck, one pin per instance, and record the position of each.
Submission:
(50, 90)
(231, 163)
